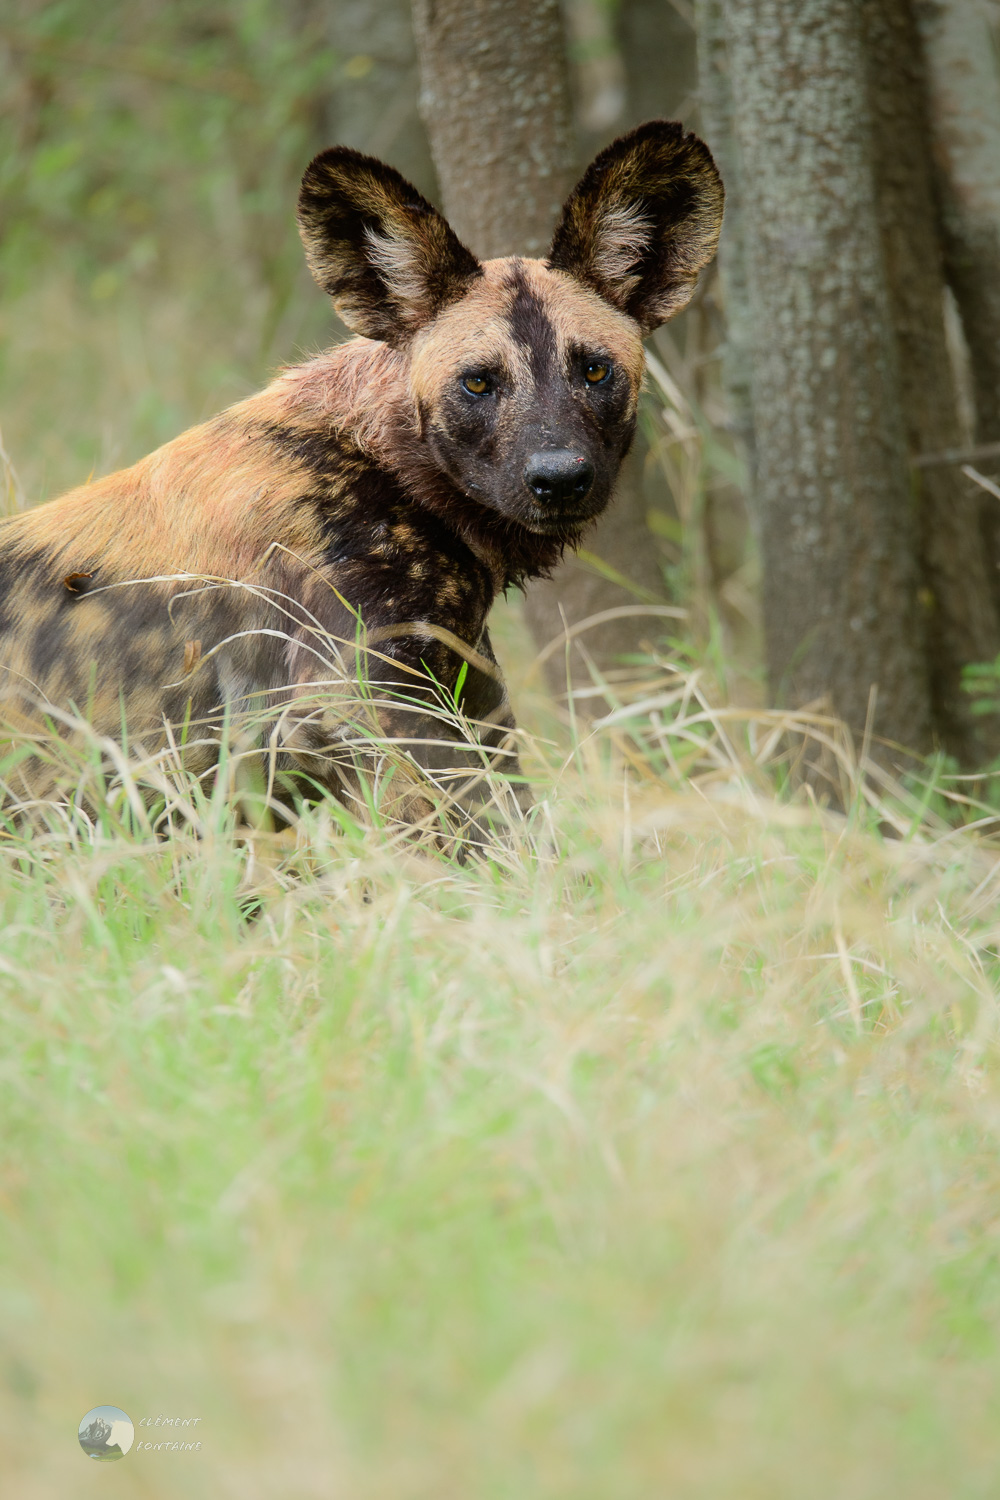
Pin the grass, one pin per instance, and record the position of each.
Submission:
(658, 1157)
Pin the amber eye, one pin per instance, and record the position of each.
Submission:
(476, 385)
(596, 372)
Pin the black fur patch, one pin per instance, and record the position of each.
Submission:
(325, 455)
(50, 646)
(531, 326)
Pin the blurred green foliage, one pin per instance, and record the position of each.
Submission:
(982, 680)
(149, 161)
(123, 122)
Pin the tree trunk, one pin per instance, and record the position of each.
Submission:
(496, 102)
(495, 97)
(961, 615)
(964, 88)
(841, 576)
(715, 93)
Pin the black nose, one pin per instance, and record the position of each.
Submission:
(559, 476)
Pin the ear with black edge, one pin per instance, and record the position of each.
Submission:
(643, 221)
(385, 256)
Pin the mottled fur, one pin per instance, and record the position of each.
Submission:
(319, 559)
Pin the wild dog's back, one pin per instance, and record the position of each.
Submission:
(105, 590)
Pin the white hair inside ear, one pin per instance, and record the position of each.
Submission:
(401, 265)
(621, 236)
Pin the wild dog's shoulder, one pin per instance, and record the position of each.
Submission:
(345, 422)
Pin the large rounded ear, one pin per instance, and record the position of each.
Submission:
(643, 221)
(386, 257)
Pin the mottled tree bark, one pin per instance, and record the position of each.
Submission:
(841, 574)
(495, 97)
(964, 88)
(962, 624)
(496, 102)
(715, 94)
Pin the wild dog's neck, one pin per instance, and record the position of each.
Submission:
(362, 388)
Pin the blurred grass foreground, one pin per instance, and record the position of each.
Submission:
(654, 1156)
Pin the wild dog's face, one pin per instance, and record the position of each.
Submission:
(526, 390)
(525, 374)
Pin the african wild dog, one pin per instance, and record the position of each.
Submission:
(402, 479)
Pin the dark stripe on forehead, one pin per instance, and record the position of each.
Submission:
(530, 324)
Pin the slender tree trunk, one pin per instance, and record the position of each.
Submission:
(597, 72)
(496, 101)
(373, 106)
(495, 97)
(964, 86)
(715, 93)
(962, 622)
(841, 575)
(661, 65)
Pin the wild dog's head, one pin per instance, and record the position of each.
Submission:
(525, 373)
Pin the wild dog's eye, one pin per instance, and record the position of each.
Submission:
(476, 385)
(596, 371)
